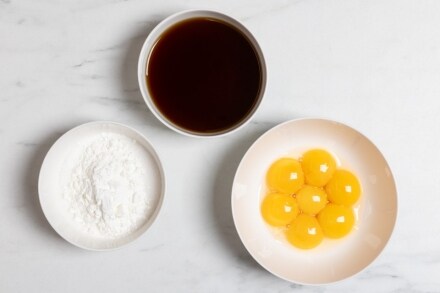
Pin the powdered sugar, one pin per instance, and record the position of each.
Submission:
(108, 189)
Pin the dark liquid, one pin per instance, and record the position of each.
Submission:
(204, 75)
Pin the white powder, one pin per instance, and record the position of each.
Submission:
(107, 190)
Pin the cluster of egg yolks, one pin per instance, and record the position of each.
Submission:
(311, 197)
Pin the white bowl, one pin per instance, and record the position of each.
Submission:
(152, 39)
(333, 260)
(58, 165)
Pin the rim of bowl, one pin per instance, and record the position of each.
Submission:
(151, 41)
(159, 204)
(393, 183)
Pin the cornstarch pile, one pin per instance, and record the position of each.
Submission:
(107, 189)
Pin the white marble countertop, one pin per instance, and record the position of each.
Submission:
(374, 65)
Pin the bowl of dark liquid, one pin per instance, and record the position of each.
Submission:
(202, 73)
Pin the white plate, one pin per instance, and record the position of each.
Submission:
(333, 260)
(58, 165)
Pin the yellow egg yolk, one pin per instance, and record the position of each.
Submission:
(336, 221)
(318, 167)
(344, 188)
(279, 209)
(304, 232)
(311, 199)
(285, 175)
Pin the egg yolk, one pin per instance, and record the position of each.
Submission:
(279, 209)
(285, 175)
(304, 232)
(336, 220)
(311, 199)
(318, 166)
(344, 188)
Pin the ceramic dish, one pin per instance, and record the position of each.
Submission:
(152, 40)
(58, 165)
(333, 260)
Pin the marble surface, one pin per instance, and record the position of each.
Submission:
(374, 65)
